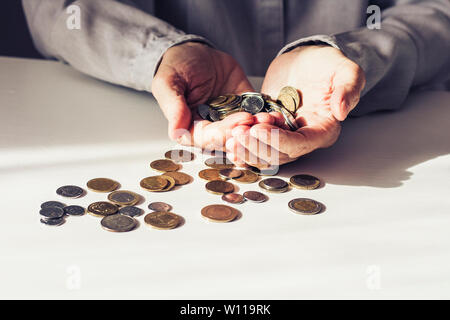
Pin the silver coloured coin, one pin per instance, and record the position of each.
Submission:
(51, 212)
(49, 204)
(305, 206)
(118, 223)
(74, 210)
(252, 104)
(160, 206)
(70, 191)
(131, 211)
(203, 111)
(53, 222)
(214, 115)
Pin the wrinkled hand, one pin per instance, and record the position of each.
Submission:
(189, 74)
(330, 85)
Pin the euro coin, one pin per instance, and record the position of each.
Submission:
(52, 222)
(102, 208)
(70, 191)
(269, 171)
(219, 163)
(234, 198)
(219, 187)
(305, 206)
(203, 111)
(230, 173)
(179, 155)
(180, 178)
(217, 100)
(74, 210)
(164, 165)
(305, 181)
(154, 183)
(160, 206)
(51, 213)
(102, 185)
(171, 183)
(219, 213)
(123, 198)
(287, 101)
(162, 220)
(49, 204)
(210, 174)
(131, 211)
(255, 196)
(118, 223)
(273, 183)
(247, 176)
(252, 104)
(293, 93)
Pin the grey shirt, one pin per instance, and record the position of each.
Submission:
(122, 41)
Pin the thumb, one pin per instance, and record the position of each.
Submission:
(348, 84)
(172, 102)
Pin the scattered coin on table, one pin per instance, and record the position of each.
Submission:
(230, 173)
(49, 204)
(219, 163)
(164, 165)
(234, 198)
(51, 213)
(102, 185)
(74, 210)
(70, 191)
(179, 155)
(305, 206)
(247, 176)
(131, 211)
(219, 187)
(118, 223)
(160, 206)
(102, 208)
(162, 220)
(275, 185)
(53, 222)
(219, 213)
(255, 196)
(305, 181)
(154, 183)
(123, 198)
(210, 174)
(180, 178)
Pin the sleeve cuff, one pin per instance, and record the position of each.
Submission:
(313, 40)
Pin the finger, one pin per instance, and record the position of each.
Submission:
(232, 150)
(264, 117)
(244, 155)
(348, 84)
(170, 97)
(213, 135)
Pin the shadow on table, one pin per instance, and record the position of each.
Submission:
(378, 150)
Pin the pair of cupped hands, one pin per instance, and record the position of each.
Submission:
(191, 73)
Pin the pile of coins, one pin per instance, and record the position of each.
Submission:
(119, 212)
(287, 103)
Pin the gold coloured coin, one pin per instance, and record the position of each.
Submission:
(219, 163)
(164, 165)
(230, 173)
(154, 183)
(287, 102)
(219, 187)
(162, 220)
(210, 174)
(293, 93)
(305, 181)
(102, 185)
(180, 178)
(179, 155)
(102, 208)
(217, 100)
(305, 206)
(247, 176)
(123, 198)
(170, 185)
(219, 213)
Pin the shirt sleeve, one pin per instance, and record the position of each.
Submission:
(115, 41)
(411, 48)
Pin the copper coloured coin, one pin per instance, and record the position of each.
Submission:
(255, 196)
(234, 198)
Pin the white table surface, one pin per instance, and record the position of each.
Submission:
(384, 234)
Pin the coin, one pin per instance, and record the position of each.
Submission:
(210, 174)
(70, 191)
(219, 163)
(180, 178)
(102, 208)
(305, 181)
(49, 204)
(255, 196)
(102, 185)
(74, 210)
(217, 100)
(123, 198)
(305, 206)
(219, 187)
(273, 183)
(247, 176)
(230, 173)
(179, 155)
(51, 213)
(234, 198)
(293, 93)
(118, 223)
(270, 171)
(273, 190)
(203, 111)
(219, 213)
(287, 101)
(53, 222)
(131, 211)
(154, 183)
(252, 104)
(164, 165)
(171, 183)
(162, 220)
(160, 206)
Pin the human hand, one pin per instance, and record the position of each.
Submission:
(330, 85)
(189, 74)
